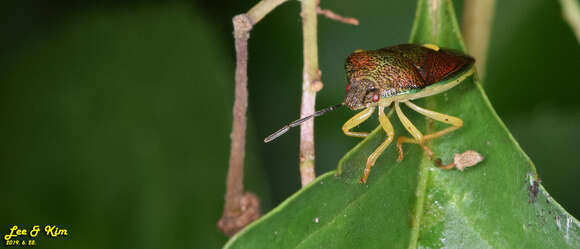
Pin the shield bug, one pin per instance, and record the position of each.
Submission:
(390, 76)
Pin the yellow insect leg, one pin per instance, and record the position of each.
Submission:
(407, 123)
(388, 127)
(357, 120)
(455, 123)
(417, 135)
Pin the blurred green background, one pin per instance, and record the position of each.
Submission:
(115, 116)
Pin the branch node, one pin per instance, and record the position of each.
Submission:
(316, 86)
(232, 222)
(242, 26)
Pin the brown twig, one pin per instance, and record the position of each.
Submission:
(331, 15)
(477, 18)
(309, 76)
(311, 82)
(241, 208)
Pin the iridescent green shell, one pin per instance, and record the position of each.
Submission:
(406, 71)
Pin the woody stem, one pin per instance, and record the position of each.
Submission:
(240, 209)
(310, 85)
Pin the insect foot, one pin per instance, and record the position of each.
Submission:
(367, 171)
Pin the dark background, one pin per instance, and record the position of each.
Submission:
(116, 116)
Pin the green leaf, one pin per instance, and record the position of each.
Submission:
(413, 204)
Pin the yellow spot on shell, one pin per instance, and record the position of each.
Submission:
(431, 46)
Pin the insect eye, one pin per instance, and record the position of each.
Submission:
(374, 93)
(375, 97)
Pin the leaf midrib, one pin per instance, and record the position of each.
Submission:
(423, 176)
(420, 203)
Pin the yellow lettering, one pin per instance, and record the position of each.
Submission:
(8, 236)
(49, 229)
(12, 242)
(34, 231)
(54, 231)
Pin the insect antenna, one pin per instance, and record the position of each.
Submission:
(300, 121)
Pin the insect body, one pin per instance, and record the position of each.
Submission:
(391, 76)
(399, 74)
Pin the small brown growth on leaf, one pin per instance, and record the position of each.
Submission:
(461, 161)
(467, 159)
